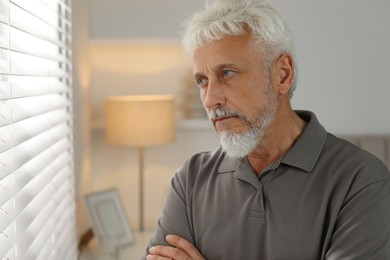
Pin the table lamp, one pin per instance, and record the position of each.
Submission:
(140, 121)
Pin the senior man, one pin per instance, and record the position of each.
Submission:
(280, 186)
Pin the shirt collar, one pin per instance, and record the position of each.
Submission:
(303, 154)
(229, 164)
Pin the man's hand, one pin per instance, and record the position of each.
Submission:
(180, 249)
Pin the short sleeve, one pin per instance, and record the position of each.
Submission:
(174, 218)
(362, 229)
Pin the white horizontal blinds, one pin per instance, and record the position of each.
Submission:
(37, 210)
(7, 224)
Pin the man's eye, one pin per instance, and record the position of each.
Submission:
(201, 82)
(226, 73)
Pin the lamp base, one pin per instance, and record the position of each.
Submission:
(141, 153)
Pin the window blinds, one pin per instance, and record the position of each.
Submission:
(37, 208)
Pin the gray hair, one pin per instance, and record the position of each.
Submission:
(223, 18)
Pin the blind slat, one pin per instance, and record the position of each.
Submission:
(37, 230)
(50, 12)
(25, 21)
(23, 108)
(5, 138)
(6, 214)
(27, 172)
(21, 131)
(4, 61)
(4, 11)
(34, 146)
(5, 163)
(38, 9)
(46, 252)
(25, 64)
(36, 47)
(30, 201)
(31, 127)
(67, 239)
(36, 184)
(5, 88)
(59, 211)
(27, 86)
(37, 200)
(39, 244)
(7, 239)
(4, 33)
(6, 192)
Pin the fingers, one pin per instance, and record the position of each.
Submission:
(166, 252)
(157, 257)
(185, 246)
(181, 249)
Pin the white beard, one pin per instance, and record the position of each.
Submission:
(239, 145)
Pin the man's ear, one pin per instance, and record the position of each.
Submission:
(284, 73)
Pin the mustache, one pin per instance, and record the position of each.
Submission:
(219, 112)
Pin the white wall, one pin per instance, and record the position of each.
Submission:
(140, 19)
(344, 74)
(343, 57)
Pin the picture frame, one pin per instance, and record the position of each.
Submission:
(109, 221)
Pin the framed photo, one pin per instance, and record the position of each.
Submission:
(109, 221)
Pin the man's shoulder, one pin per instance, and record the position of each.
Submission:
(202, 160)
(200, 165)
(355, 160)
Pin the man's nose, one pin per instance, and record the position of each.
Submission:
(213, 96)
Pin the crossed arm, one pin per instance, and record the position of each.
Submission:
(180, 249)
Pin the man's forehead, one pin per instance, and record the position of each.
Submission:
(214, 56)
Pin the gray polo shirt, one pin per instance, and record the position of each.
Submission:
(325, 199)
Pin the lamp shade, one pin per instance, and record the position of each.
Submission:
(140, 121)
